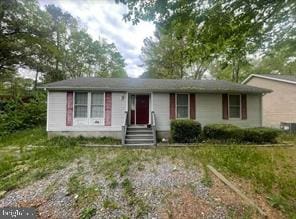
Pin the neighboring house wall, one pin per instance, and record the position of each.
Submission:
(278, 106)
(56, 120)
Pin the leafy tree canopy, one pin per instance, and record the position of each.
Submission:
(52, 43)
(221, 35)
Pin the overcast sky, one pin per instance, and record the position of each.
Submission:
(103, 18)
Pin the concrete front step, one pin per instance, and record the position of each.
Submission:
(138, 132)
(138, 127)
(139, 136)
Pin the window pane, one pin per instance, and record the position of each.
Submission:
(97, 98)
(234, 112)
(182, 112)
(182, 99)
(97, 111)
(182, 106)
(234, 100)
(80, 112)
(81, 98)
(234, 106)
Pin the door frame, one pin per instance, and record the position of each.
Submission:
(149, 108)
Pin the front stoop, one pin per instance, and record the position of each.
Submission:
(139, 136)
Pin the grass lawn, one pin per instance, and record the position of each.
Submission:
(27, 156)
(271, 171)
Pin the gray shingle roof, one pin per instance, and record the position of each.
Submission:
(150, 85)
(283, 77)
(276, 77)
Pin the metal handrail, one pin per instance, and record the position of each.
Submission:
(124, 128)
(153, 126)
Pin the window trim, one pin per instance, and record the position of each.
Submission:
(88, 118)
(132, 108)
(74, 97)
(176, 106)
(240, 106)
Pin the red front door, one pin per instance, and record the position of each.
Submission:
(142, 109)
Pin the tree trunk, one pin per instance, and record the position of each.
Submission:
(36, 79)
(198, 72)
(235, 70)
(58, 45)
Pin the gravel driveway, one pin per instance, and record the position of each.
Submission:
(160, 188)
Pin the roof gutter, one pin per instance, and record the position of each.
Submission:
(262, 90)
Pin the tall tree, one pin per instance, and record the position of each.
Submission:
(62, 27)
(51, 43)
(280, 59)
(228, 31)
(85, 57)
(23, 34)
(163, 57)
(115, 62)
(170, 56)
(80, 55)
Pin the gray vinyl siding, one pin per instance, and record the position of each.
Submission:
(209, 110)
(118, 109)
(56, 120)
(56, 111)
(161, 107)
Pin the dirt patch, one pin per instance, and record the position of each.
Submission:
(41, 206)
(248, 189)
(184, 204)
(216, 201)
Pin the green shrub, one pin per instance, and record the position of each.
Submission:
(19, 114)
(228, 132)
(223, 132)
(261, 135)
(185, 131)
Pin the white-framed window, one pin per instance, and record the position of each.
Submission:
(182, 106)
(97, 105)
(80, 105)
(234, 105)
(89, 108)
